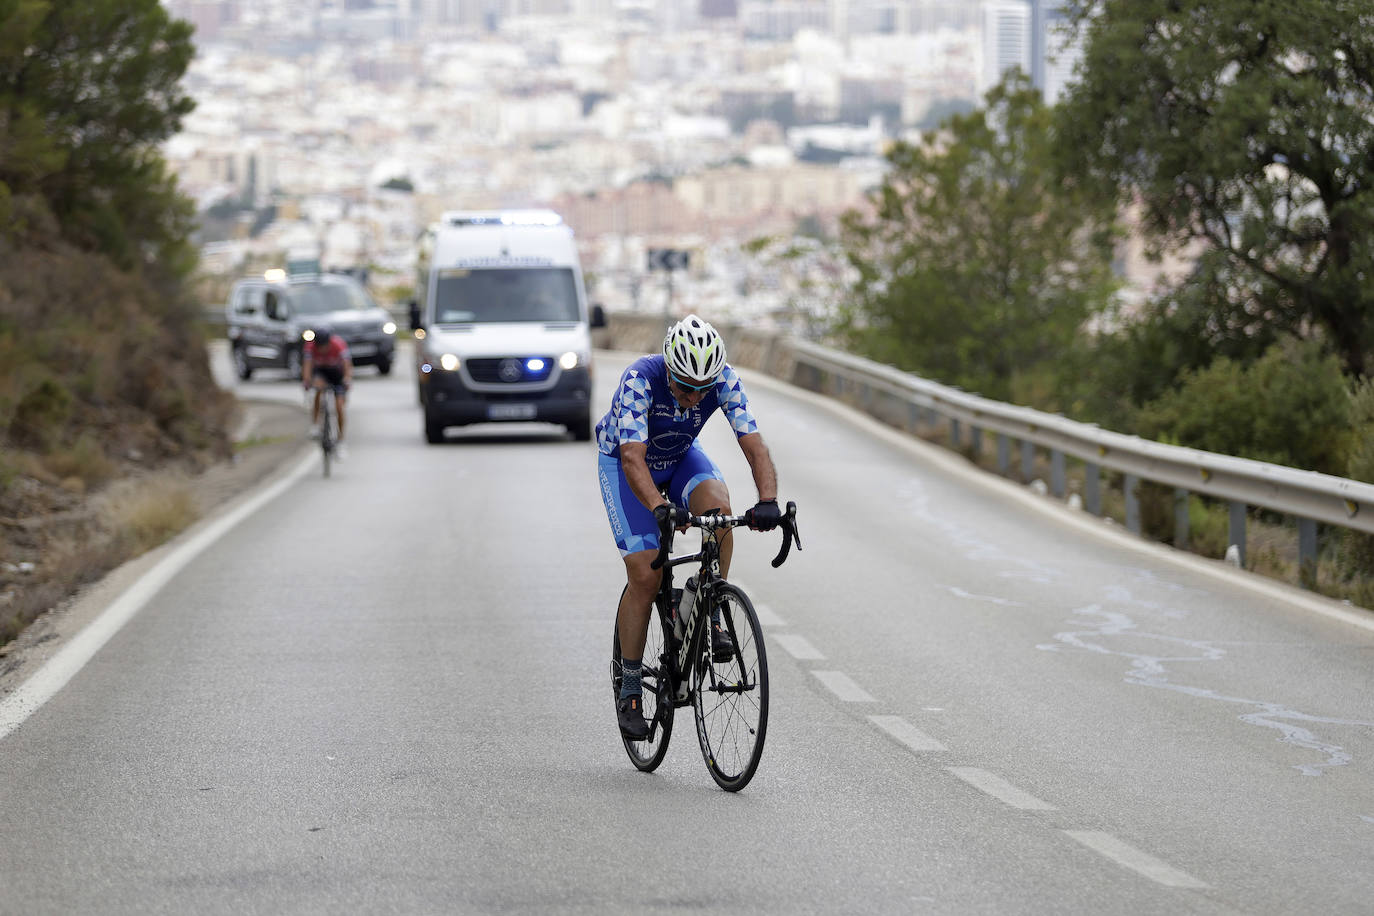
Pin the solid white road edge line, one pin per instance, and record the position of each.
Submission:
(44, 683)
(1125, 854)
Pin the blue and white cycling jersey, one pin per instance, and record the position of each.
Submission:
(644, 410)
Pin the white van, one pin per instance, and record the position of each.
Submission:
(503, 322)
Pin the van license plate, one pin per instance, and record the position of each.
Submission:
(510, 411)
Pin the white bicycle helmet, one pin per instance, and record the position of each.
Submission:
(693, 350)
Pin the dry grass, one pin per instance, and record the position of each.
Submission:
(146, 512)
(85, 461)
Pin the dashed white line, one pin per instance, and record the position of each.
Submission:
(799, 647)
(1137, 861)
(1000, 789)
(840, 684)
(908, 734)
(767, 617)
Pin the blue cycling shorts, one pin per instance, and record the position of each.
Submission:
(634, 526)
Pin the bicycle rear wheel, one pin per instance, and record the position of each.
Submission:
(730, 698)
(327, 428)
(656, 697)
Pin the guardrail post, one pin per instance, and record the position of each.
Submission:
(1180, 518)
(1003, 454)
(1027, 460)
(954, 432)
(1132, 492)
(1057, 473)
(976, 441)
(1307, 554)
(1092, 492)
(1236, 535)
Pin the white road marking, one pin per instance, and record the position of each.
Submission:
(767, 616)
(1000, 789)
(1125, 854)
(843, 686)
(54, 675)
(799, 647)
(906, 733)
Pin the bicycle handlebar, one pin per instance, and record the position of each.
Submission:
(672, 519)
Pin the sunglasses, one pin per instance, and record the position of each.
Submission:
(681, 384)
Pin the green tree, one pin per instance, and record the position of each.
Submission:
(976, 264)
(87, 91)
(1245, 125)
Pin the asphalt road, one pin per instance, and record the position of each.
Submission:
(386, 692)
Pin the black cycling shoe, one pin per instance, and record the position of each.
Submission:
(630, 714)
(722, 646)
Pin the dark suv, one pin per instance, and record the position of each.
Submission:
(266, 318)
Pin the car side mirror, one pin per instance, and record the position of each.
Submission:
(598, 315)
(414, 315)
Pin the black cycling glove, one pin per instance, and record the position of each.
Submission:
(764, 516)
(680, 513)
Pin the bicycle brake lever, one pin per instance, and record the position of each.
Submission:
(665, 542)
(789, 534)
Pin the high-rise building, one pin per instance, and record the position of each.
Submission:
(1006, 40)
(1055, 48)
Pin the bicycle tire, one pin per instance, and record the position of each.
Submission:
(646, 755)
(326, 429)
(730, 698)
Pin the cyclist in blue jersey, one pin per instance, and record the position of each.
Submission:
(648, 440)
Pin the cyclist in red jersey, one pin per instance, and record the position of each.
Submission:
(326, 361)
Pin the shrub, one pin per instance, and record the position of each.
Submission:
(1290, 407)
(41, 415)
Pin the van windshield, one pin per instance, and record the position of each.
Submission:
(319, 298)
(506, 294)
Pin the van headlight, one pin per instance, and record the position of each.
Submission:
(389, 328)
(572, 359)
(449, 362)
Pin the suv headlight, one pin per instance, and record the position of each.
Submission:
(389, 328)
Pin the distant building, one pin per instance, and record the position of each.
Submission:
(1055, 48)
(1006, 40)
(719, 9)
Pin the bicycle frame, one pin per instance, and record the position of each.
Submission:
(328, 424)
(708, 575)
(709, 580)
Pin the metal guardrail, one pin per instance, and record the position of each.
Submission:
(907, 401)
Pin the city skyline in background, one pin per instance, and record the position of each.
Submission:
(348, 125)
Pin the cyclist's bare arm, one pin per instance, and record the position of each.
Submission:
(637, 473)
(761, 463)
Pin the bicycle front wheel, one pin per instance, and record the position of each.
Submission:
(656, 697)
(730, 698)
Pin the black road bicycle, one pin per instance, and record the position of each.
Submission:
(728, 696)
(329, 426)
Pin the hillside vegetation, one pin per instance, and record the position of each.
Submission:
(105, 390)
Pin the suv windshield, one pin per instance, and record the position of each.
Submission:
(318, 298)
(506, 294)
